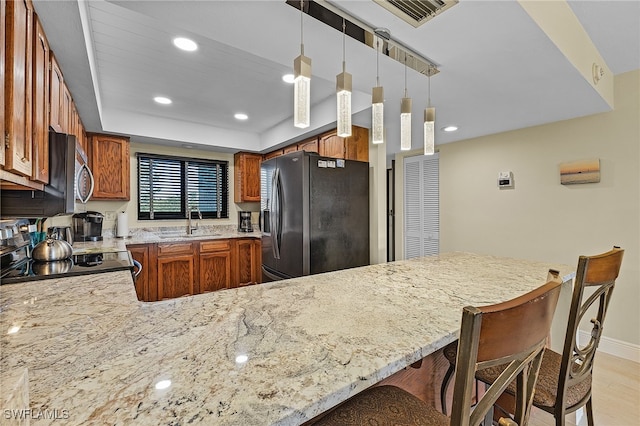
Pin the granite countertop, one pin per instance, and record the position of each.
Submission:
(161, 235)
(276, 353)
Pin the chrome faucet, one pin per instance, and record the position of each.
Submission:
(190, 227)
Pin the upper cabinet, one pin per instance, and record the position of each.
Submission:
(56, 90)
(355, 147)
(246, 177)
(17, 90)
(329, 144)
(40, 107)
(3, 37)
(110, 165)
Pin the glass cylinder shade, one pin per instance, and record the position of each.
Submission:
(302, 92)
(343, 96)
(405, 124)
(429, 130)
(377, 115)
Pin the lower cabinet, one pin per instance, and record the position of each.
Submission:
(140, 252)
(248, 261)
(177, 269)
(215, 265)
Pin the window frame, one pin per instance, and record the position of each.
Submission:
(222, 188)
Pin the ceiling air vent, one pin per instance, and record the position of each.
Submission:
(416, 12)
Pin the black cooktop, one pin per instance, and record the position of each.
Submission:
(78, 264)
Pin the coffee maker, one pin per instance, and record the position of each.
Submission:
(87, 226)
(244, 222)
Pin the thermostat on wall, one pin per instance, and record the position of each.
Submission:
(505, 180)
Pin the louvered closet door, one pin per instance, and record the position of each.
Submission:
(421, 206)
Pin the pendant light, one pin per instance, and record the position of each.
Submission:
(377, 104)
(429, 123)
(343, 93)
(405, 115)
(302, 83)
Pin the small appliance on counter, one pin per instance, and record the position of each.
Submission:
(87, 226)
(244, 222)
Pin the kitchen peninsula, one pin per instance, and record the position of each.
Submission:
(277, 353)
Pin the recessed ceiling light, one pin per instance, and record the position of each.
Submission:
(450, 128)
(185, 44)
(288, 78)
(162, 100)
(241, 116)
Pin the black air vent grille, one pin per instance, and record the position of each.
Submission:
(416, 12)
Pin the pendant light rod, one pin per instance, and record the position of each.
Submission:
(332, 15)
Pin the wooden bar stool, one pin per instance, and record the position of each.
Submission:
(564, 384)
(491, 335)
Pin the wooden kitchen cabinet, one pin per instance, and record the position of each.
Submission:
(40, 104)
(355, 147)
(273, 154)
(290, 148)
(331, 145)
(246, 177)
(141, 253)
(18, 86)
(248, 263)
(56, 91)
(3, 37)
(309, 145)
(215, 265)
(176, 270)
(110, 164)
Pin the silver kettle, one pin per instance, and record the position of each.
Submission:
(61, 233)
(51, 250)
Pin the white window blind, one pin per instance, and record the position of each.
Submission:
(421, 206)
(169, 186)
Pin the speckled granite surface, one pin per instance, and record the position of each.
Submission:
(161, 235)
(276, 353)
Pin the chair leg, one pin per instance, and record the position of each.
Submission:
(444, 386)
(589, 409)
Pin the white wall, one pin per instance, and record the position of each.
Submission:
(541, 219)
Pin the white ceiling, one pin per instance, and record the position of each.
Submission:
(499, 70)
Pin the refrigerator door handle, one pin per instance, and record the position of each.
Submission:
(275, 216)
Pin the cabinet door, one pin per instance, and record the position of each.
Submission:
(110, 167)
(247, 261)
(56, 84)
(141, 254)
(331, 145)
(40, 105)
(215, 265)
(310, 145)
(215, 271)
(3, 39)
(65, 118)
(18, 60)
(176, 272)
(357, 145)
(273, 154)
(290, 148)
(247, 177)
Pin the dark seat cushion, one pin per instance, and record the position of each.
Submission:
(383, 405)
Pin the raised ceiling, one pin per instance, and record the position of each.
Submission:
(499, 70)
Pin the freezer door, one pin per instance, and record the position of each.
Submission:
(339, 214)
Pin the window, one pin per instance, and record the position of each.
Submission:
(169, 186)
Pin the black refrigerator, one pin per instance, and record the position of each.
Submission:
(314, 215)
